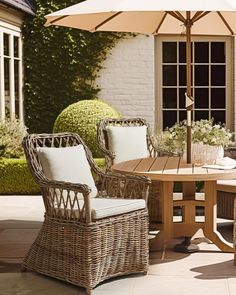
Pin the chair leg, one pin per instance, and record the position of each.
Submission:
(23, 269)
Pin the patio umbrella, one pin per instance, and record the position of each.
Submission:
(202, 17)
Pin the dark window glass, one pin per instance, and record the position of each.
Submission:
(182, 92)
(217, 52)
(169, 98)
(169, 52)
(201, 98)
(16, 73)
(182, 52)
(182, 75)
(169, 118)
(218, 75)
(6, 44)
(201, 52)
(201, 115)
(16, 46)
(169, 75)
(201, 75)
(218, 98)
(182, 115)
(6, 75)
(218, 116)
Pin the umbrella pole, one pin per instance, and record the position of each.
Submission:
(188, 80)
(188, 187)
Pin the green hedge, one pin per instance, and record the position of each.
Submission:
(15, 177)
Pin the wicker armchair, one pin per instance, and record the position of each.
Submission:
(74, 244)
(154, 208)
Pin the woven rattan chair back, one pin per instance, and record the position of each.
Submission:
(102, 137)
(33, 141)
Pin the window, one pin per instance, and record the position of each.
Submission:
(11, 98)
(211, 79)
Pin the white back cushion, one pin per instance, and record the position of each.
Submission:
(127, 143)
(67, 164)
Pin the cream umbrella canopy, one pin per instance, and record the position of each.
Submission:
(197, 17)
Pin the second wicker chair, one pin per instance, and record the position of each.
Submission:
(154, 208)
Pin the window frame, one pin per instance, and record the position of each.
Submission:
(229, 64)
(12, 31)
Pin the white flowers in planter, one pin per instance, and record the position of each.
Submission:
(204, 134)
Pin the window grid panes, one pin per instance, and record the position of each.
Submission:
(208, 81)
(11, 97)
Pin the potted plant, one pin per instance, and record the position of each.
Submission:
(208, 140)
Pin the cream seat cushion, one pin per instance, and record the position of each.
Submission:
(227, 182)
(127, 143)
(226, 185)
(102, 208)
(68, 164)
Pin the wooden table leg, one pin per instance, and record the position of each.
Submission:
(210, 227)
(166, 198)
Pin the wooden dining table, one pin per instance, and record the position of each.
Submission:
(174, 169)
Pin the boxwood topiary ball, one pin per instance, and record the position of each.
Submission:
(82, 118)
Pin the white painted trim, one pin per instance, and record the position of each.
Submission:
(12, 31)
(2, 84)
(9, 28)
(21, 98)
(11, 78)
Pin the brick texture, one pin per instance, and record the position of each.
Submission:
(127, 79)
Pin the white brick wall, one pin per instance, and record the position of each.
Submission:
(127, 79)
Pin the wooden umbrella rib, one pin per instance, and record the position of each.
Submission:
(200, 16)
(172, 13)
(57, 19)
(159, 25)
(196, 15)
(180, 15)
(225, 22)
(107, 20)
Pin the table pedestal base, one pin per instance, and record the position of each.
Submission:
(186, 246)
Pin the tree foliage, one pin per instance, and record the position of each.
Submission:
(61, 65)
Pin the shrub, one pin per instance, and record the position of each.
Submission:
(82, 118)
(11, 135)
(16, 178)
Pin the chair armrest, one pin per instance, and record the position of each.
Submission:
(114, 185)
(65, 200)
(155, 150)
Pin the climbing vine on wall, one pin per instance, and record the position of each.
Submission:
(60, 65)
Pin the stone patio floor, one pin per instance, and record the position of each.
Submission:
(207, 272)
